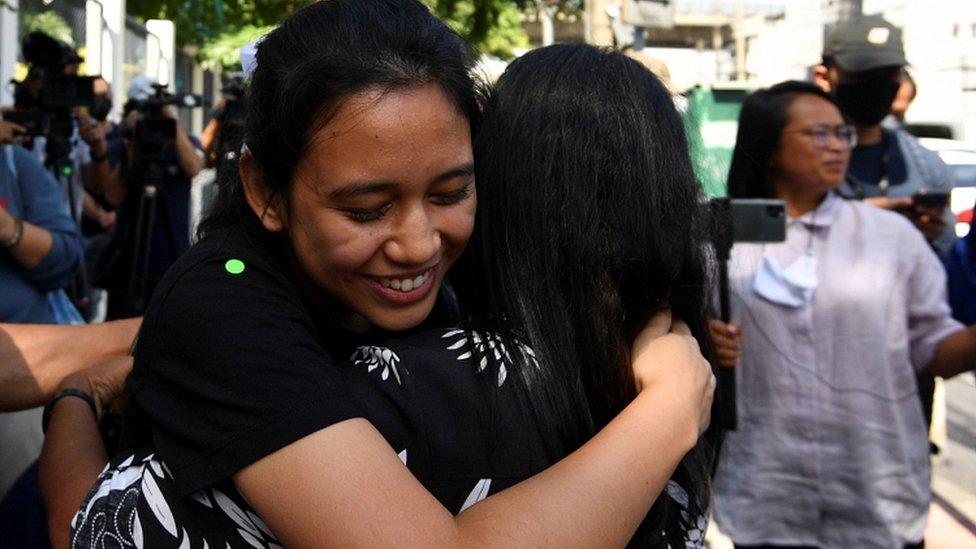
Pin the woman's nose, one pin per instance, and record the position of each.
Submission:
(416, 241)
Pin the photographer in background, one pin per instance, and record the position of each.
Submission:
(69, 111)
(224, 134)
(151, 187)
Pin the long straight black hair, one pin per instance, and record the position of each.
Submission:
(588, 224)
(764, 114)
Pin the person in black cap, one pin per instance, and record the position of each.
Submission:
(863, 68)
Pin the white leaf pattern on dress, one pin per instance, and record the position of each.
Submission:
(260, 524)
(695, 536)
(137, 532)
(374, 357)
(478, 493)
(185, 544)
(235, 513)
(250, 539)
(158, 505)
(201, 497)
(487, 347)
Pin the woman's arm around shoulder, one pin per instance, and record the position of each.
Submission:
(345, 486)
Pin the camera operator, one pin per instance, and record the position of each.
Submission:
(99, 134)
(224, 134)
(70, 141)
(151, 187)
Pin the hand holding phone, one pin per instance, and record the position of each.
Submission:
(928, 212)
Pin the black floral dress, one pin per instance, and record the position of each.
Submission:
(425, 393)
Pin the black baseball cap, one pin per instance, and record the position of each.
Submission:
(865, 43)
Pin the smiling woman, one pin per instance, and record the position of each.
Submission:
(382, 205)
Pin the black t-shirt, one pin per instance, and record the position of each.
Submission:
(232, 367)
(228, 367)
(869, 163)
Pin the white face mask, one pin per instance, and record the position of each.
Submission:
(791, 287)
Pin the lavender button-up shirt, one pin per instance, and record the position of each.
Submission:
(832, 448)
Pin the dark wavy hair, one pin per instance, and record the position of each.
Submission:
(319, 57)
(762, 119)
(588, 224)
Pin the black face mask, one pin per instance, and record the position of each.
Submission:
(867, 102)
(100, 108)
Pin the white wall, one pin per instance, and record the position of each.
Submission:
(8, 51)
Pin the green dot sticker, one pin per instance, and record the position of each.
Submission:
(234, 266)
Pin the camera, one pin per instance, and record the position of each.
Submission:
(154, 132)
(45, 98)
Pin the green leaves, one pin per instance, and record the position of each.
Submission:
(492, 26)
(221, 27)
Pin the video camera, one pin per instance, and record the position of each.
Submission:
(45, 98)
(154, 132)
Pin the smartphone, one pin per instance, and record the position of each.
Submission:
(931, 199)
(758, 220)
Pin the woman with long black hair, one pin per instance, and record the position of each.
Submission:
(307, 307)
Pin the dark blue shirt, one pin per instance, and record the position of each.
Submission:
(29, 192)
(869, 163)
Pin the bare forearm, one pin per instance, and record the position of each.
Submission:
(187, 153)
(956, 354)
(597, 496)
(113, 188)
(35, 358)
(34, 245)
(96, 174)
(72, 458)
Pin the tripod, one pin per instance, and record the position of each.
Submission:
(58, 162)
(152, 202)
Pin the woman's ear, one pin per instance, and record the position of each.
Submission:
(265, 203)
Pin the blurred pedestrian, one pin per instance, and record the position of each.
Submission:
(863, 69)
(831, 326)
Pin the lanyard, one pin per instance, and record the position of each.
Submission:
(883, 183)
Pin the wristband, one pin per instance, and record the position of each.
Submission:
(46, 416)
(18, 234)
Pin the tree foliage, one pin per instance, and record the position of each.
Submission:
(50, 23)
(221, 27)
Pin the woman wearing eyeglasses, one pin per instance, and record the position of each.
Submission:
(831, 326)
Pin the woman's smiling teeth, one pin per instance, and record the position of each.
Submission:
(404, 284)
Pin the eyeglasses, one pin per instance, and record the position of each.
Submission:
(845, 133)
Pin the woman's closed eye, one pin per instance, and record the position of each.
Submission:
(453, 197)
(365, 215)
